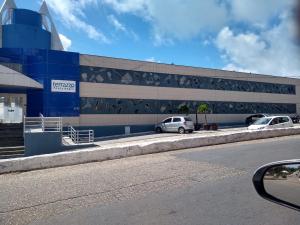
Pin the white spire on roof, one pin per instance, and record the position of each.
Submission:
(7, 5)
(6, 15)
(46, 19)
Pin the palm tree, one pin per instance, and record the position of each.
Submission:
(184, 109)
(203, 109)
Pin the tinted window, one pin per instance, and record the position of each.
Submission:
(274, 121)
(262, 121)
(168, 120)
(283, 120)
(176, 119)
(187, 119)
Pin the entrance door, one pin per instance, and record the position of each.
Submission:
(12, 108)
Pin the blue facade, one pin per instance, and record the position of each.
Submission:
(44, 66)
(25, 31)
(25, 42)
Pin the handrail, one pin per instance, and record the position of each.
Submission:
(54, 124)
(80, 136)
(42, 124)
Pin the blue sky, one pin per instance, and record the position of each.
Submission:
(242, 35)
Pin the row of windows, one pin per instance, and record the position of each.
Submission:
(152, 106)
(127, 77)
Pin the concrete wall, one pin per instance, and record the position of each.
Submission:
(42, 143)
(101, 90)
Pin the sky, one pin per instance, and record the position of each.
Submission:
(241, 35)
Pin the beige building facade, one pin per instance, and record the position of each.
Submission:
(115, 93)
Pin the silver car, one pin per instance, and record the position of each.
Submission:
(178, 124)
(271, 122)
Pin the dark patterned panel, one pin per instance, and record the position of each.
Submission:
(150, 106)
(117, 76)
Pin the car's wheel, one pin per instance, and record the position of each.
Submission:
(181, 130)
(158, 130)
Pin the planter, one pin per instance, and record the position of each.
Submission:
(206, 127)
(214, 126)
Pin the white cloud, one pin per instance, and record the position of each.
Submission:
(152, 59)
(208, 41)
(267, 47)
(72, 14)
(257, 12)
(127, 5)
(116, 23)
(66, 42)
(134, 35)
(175, 19)
(121, 27)
(271, 51)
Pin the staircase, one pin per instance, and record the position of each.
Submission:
(11, 152)
(11, 140)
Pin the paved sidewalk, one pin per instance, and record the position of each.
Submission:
(141, 145)
(154, 138)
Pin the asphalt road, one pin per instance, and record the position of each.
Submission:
(209, 186)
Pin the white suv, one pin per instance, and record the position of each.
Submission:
(178, 124)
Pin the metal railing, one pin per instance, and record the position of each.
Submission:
(79, 136)
(42, 124)
(54, 124)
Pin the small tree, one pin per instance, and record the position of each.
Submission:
(203, 109)
(184, 109)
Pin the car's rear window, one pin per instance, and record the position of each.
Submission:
(187, 119)
(283, 120)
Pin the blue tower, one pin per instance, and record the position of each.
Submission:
(29, 41)
(25, 31)
(23, 28)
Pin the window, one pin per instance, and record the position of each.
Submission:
(167, 120)
(262, 121)
(274, 121)
(283, 120)
(176, 120)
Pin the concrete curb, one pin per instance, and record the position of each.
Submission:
(102, 154)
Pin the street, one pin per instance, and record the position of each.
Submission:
(208, 185)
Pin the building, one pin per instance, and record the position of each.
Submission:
(109, 94)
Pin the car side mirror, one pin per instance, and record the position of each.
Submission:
(280, 183)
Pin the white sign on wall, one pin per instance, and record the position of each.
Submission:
(63, 86)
